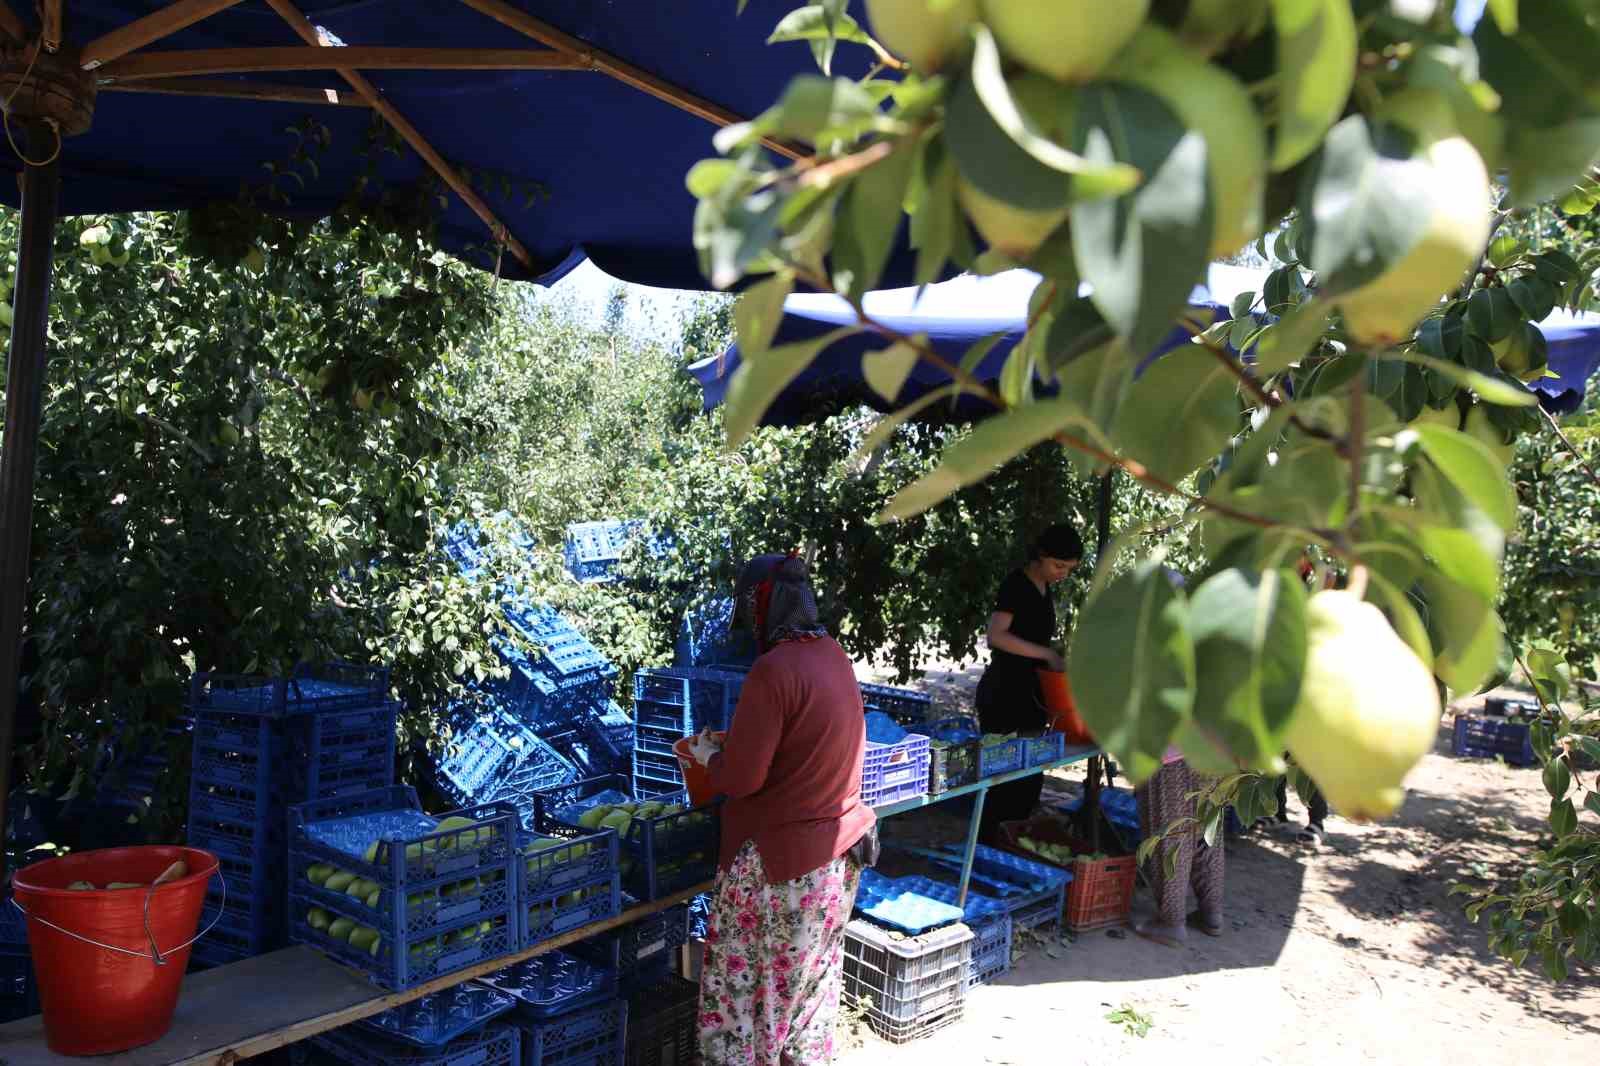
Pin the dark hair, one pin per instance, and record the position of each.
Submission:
(1059, 541)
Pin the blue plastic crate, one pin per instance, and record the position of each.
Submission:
(657, 766)
(646, 789)
(554, 985)
(906, 706)
(640, 952)
(439, 901)
(310, 689)
(443, 1016)
(1002, 758)
(1045, 909)
(978, 908)
(991, 949)
(1490, 738)
(594, 1036)
(699, 911)
(890, 903)
(495, 1044)
(660, 855)
(894, 772)
(495, 756)
(1045, 749)
(555, 866)
(656, 741)
(614, 722)
(550, 916)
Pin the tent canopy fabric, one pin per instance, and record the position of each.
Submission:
(575, 163)
(956, 314)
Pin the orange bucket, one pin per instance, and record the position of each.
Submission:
(1063, 713)
(110, 961)
(695, 778)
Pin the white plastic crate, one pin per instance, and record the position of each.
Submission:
(910, 986)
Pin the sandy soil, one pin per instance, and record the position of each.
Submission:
(1353, 953)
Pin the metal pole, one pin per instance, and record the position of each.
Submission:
(1102, 517)
(20, 445)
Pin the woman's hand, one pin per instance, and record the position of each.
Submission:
(1054, 661)
(703, 747)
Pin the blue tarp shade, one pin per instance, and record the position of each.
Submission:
(956, 314)
(611, 157)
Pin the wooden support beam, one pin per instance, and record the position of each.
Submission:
(462, 188)
(50, 31)
(11, 24)
(154, 26)
(257, 60)
(619, 69)
(241, 90)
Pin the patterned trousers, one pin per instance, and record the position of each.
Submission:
(1165, 798)
(774, 964)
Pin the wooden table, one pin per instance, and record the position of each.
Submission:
(251, 1007)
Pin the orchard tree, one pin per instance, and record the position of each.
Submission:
(1357, 412)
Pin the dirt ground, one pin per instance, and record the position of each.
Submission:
(1352, 953)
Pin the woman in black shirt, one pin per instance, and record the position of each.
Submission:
(1022, 632)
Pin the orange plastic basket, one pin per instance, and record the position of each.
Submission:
(1100, 894)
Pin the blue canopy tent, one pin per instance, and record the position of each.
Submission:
(956, 314)
(563, 129)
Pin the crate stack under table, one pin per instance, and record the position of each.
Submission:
(260, 745)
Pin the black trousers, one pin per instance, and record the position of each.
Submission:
(1317, 805)
(1009, 701)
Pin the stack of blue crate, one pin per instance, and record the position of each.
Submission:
(668, 705)
(560, 677)
(19, 994)
(493, 756)
(706, 637)
(130, 782)
(261, 744)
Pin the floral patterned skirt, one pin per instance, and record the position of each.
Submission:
(769, 986)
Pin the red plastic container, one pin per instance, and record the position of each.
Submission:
(98, 999)
(695, 778)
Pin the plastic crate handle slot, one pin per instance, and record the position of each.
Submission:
(897, 757)
(155, 952)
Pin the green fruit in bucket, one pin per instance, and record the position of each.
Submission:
(126, 884)
(339, 881)
(81, 886)
(318, 919)
(341, 928)
(318, 873)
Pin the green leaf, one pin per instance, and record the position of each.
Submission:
(1142, 253)
(1545, 161)
(1440, 336)
(1366, 204)
(867, 221)
(813, 22)
(976, 455)
(1492, 315)
(1288, 340)
(1241, 305)
(938, 229)
(1592, 800)
(1316, 70)
(1097, 383)
(762, 376)
(1473, 469)
(1095, 178)
(759, 311)
(886, 371)
(1179, 413)
(1563, 818)
(1466, 632)
(1133, 667)
(980, 349)
(1557, 778)
(1016, 375)
(1505, 15)
(885, 426)
(1494, 390)
(1249, 632)
(1076, 329)
(1402, 612)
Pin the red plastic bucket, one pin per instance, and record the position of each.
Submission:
(1063, 712)
(695, 778)
(94, 952)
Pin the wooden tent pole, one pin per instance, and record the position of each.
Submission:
(168, 64)
(619, 69)
(50, 30)
(154, 26)
(24, 388)
(402, 125)
(238, 90)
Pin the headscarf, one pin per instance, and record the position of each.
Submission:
(773, 597)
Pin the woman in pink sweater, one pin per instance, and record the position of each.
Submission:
(790, 768)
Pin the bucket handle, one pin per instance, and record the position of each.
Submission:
(155, 952)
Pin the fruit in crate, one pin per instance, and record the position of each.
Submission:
(364, 938)
(590, 819)
(1368, 708)
(318, 919)
(619, 820)
(479, 834)
(341, 928)
(319, 873)
(360, 888)
(1060, 854)
(339, 881)
(423, 948)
